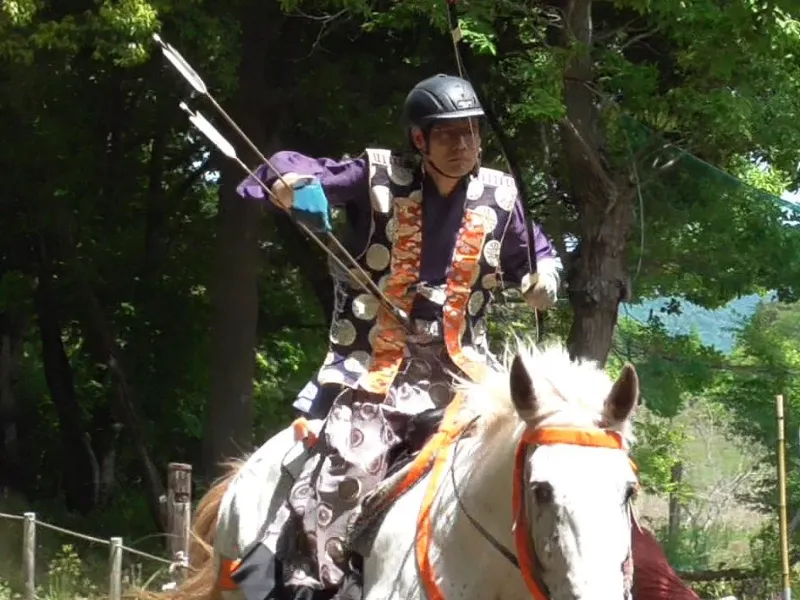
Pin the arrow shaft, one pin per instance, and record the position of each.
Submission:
(367, 284)
(185, 69)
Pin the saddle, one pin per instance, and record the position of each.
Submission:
(374, 506)
(259, 573)
(420, 429)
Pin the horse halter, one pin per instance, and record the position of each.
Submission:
(525, 557)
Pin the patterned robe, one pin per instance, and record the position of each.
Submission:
(387, 373)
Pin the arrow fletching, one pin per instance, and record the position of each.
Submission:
(211, 132)
(180, 64)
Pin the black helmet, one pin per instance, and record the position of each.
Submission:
(438, 98)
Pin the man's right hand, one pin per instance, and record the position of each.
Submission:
(284, 194)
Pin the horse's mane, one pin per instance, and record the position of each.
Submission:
(569, 393)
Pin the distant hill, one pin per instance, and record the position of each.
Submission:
(716, 327)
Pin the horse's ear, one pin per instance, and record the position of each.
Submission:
(624, 395)
(522, 394)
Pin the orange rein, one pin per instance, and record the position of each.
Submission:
(547, 436)
(598, 438)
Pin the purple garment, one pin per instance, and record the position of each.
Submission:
(346, 184)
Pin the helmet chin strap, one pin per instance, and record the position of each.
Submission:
(473, 171)
(429, 163)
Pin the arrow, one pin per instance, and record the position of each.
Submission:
(180, 64)
(211, 132)
(193, 78)
(366, 283)
(221, 142)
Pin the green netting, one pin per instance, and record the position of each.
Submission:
(702, 233)
(657, 157)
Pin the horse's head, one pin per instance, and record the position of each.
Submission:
(574, 482)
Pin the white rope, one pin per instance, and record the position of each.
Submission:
(96, 540)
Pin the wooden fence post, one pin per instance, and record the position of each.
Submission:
(29, 555)
(179, 506)
(115, 569)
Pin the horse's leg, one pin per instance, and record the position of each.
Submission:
(653, 577)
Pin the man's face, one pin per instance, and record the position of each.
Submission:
(453, 146)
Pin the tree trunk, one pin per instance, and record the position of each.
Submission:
(234, 318)
(103, 347)
(105, 432)
(674, 528)
(79, 468)
(229, 424)
(597, 279)
(12, 471)
(312, 264)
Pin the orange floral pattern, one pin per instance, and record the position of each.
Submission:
(387, 351)
(465, 263)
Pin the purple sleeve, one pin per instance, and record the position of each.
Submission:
(514, 254)
(344, 182)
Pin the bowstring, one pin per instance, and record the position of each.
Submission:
(456, 36)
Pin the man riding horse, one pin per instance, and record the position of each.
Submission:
(437, 233)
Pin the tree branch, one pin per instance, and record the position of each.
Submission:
(594, 161)
(638, 38)
(711, 575)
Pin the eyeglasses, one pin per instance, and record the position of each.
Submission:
(452, 135)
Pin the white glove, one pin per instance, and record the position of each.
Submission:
(540, 290)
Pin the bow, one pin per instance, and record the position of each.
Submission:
(502, 139)
(310, 204)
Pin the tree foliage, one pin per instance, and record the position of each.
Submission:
(114, 236)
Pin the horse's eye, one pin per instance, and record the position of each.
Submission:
(630, 492)
(543, 492)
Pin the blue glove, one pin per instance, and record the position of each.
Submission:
(310, 205)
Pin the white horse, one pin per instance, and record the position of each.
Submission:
(551, 439)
